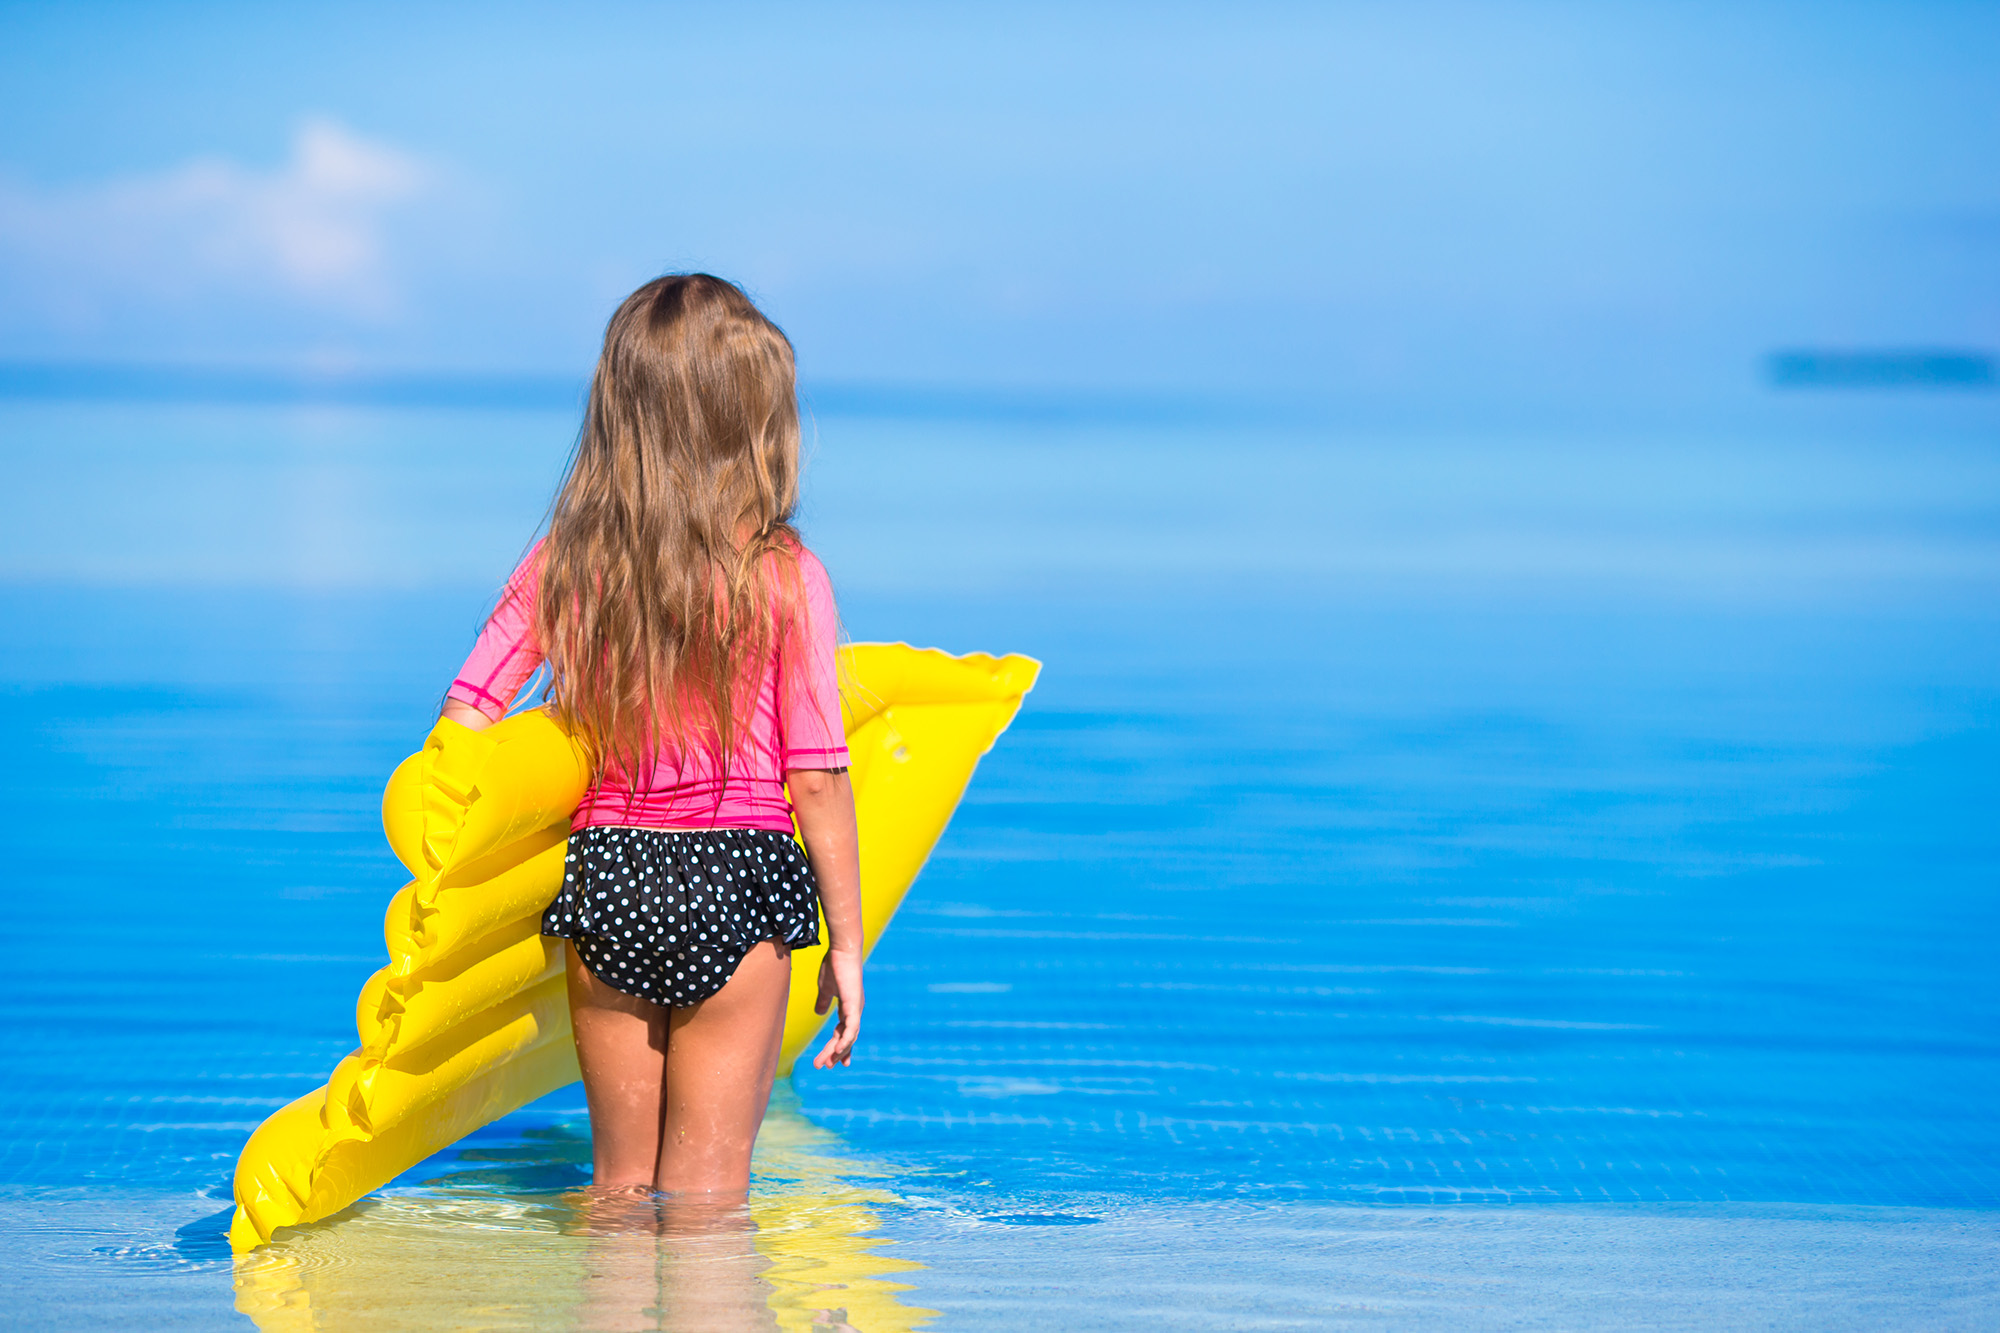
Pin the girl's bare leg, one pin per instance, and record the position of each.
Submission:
(721, 1056)
(676, 1096)
(621, 1042)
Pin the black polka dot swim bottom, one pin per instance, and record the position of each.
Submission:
(667, 916)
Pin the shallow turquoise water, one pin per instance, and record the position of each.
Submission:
(1517, 891)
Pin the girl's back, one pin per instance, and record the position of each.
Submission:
(790, 710)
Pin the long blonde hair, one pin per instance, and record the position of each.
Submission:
(670, 546)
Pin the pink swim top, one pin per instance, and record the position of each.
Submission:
(795, 723)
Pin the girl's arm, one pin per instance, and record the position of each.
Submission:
(465, 715)
(505, 656)
(823, 801)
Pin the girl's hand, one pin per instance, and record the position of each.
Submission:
(840, 980)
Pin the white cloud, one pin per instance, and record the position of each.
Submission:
(311, 231)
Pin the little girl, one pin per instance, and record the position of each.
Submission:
(690, 640)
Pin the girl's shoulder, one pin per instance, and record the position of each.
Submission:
(801, 589)
(530, 567)
(809, 564)
(523, 583)
(791, 550)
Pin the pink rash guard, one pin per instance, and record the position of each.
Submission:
(795, 724)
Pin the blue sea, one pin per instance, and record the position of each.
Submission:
(1456, 877)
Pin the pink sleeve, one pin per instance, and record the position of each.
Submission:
(809, 704)
(506, 653)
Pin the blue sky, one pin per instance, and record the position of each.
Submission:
(1488, 203)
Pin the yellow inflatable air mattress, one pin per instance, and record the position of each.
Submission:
(470, 1020)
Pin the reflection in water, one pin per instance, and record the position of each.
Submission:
(508, 1239)
(813, 1213)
